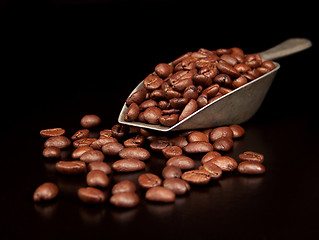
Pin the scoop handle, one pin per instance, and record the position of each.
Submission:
(286, 48)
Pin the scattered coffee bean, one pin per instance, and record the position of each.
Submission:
(177, 185)
(238, 131)
(182, 162)
(149, 180)
(77, 153)
(57, 141)
(125, 200)
(214, 170)
(92, 156)
(171, 172)
(83, 142)
(223, 144)
(51, 152)
(97, 178)
(209, 156)
(135, 152)
(83, 133)
(70, 167)
(160, 194)
(46, 191)
(220, 132)
(172, 151)
(102, 166)
(124, 186)
(197, 177)
(226, 163)
(251, 168)
(198, 147)
(112, 149)
(91, 120)
(251, 156)
(128, 165)
(91, 195)
(52, 132)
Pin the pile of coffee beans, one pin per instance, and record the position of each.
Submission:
(122, 149)
(176, 90)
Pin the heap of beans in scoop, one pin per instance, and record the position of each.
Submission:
(123, 149)
(178, 89)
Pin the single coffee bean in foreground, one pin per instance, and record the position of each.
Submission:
(149, 180)
(227, 164)
(125, 200)
(70, 167)
(92, 156)
(91, 120)
(91, 195)
(45, 192)
(182, 162)
(123, 186)
(197, 177)
(251, 156)
(198, 147)
(83, 133)
(58, 141)
(102, 166)
(171, 172)
(214, 170)
(238, 131)
(251, 168)
(78, 152)
(177, 185)
(128, 165)
(223, 144)
(160, 194)
(51, 152)
(52, 132)
(135, 152)
(97, 178)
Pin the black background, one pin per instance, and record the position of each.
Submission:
(64, 59)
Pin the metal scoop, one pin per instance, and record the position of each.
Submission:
(235, 107)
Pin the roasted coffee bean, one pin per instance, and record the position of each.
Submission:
(229, 59)
(202, 101)
(251, 156)
(51, 152)
(125, 200)
(182, 162)
(238, 82)
(163, 70)
(160, 194)
(97, 178)
(198, 147)
(220, 132)
(128, 165)
(152, 82)
(172, 151)
(159, 144)
(197, 136)
(209, 156)
(253, 60)
(152, 115)
(106, 133)
(147, 103)
(251, 167)
(92, 156)
(171, 172)
(158, 94)
(136, 141)
(190, 108)
(169, 120)
(214, 170)
(179, 141)
(119, 130)
(178, 102)
(57, 141)
(138, 97)
(226, 68)
(190, 92)
(83, 142)
(197, 177)
(132, 113)
(52, 132)
(123, 186)
(226, 163)
(269, 65)
(135, 152)
(91, 195)
(112, 149)
(182, 83)
(102, 166)
(237, 130)
(177, 185)
(170, 93)
(242, 68)
(211, 91)
(45, 192)
(70, 167)
(99, 143)
(163, 105)
(149, 180)
(83, 133)
(223, 144)
(91, 120)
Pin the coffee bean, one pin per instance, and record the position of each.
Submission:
(251, 156)
(125, 200)
(106, 133)
(163, 70)
(147, 103)
(172, 151)
(119, 130)
(179, 141)
(197, 177)
(83, 133)
(128, 165)
(152, 115)
(197, 136)
(158, 145)
(237, 130)
(132, 113)
(160, 194)
(209, 156)
(51, 152)
(92, 156)
(214, 170)
(190, 108)
(45, 192)
(77, 153)
(223, 144)
(136, 141)
(124, 186)
(198, 147)
(177, 185)
(57, 141)
(152, 82)
(220, 132)
(97, 178)
(169, 120)
(226, 163)
(182, 162)
(137, 97)
(102, 166)
(91, 195)
(70, 167)
(112, 149)
(52, 132)
(135, 152)
(91, 120)
(99, 143)
(251, 168)
(149, 180)
(171, 172)
(83, 142)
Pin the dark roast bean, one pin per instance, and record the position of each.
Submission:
(102, 166)
(190, 92)
(269, 65)
(57, 141)
(251, 167)
(178, 102)
(132, 113)
(238, 82)
(52, 132)
(128, 165)
(138, 97)
(209, 156)
(211, 91)
(83, 142)
(179, 141)
(224, 90)
(112, 149)
(223, 80)
(182, 162)
(170, 93)
(226, 163)
(91, 120)
(83, 133)
(147, 103)
(172, 151)
(177, 185)
(119, 130)
(181, 84)
(125, 200)
(46, 191)
(91, 195)
(190, 108)
(169, 120)
(171, 172)
(253, 60)
(51, 152)
(214, 170)
(70, 167)
(152, 115)
(149, 180)
(223, 144)
(198, 147)
(124, 186)
(229, 59)
(99, 143)
(136, 141)
(152, 82)
(135, 152)
(159, 144)
(92, 156)
(160, 194)
(202, 101)
(97, 178)
(242, 68)
(158, 94)
(197, 177)
(237, 130)
(197, 136)
(220, 132)
(226, 68)
(163, 70)
(106, 133)
(251, 156)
